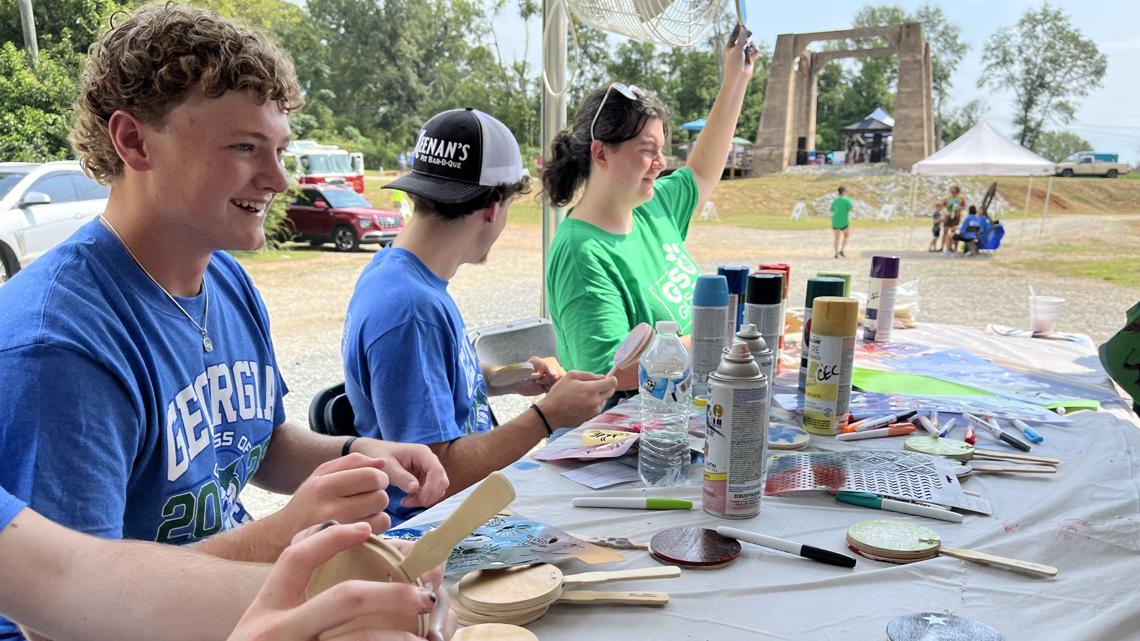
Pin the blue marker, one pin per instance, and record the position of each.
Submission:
(947, 428)
(1030, 434)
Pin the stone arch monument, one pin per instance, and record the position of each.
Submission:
(788, 119)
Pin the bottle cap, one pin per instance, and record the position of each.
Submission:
(737, 277)
(711, 291)
(765, 288)
(665, 327)
(834, 316)
(844, 276)
(739, 352)
(883, 267)
(823, 286)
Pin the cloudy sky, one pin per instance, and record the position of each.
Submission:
(1109, 118)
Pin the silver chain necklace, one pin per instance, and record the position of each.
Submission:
(207, 344)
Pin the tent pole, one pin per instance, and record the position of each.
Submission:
(1025, 209)
(1045, 212)
(554, 50)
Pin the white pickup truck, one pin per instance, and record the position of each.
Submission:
(1088, 163)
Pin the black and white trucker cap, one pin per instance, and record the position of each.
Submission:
(460, 155)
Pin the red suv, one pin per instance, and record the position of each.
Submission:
(327, 214)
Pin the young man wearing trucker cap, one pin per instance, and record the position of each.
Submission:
(410, 372)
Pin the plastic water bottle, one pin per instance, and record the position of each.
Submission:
(665, 376)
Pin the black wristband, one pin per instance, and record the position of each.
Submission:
(545, 422)
(347, 447)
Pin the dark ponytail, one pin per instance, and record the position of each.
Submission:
(621, 119)
(566, 169)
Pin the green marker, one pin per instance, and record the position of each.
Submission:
(629, 503)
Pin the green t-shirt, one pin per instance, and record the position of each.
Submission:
(600, 285)
(840, 212)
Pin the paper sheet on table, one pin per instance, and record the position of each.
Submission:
(599, 475)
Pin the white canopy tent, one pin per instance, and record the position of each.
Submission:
(984, 151)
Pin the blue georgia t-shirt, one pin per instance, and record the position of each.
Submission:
(410, 372)
(119, 423)
(10, 506)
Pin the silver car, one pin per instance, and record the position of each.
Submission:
(41, 204)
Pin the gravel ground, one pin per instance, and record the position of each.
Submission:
(307, 299)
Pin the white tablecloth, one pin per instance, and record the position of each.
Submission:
(1085, 520)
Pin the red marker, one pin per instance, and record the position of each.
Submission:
(970, 436)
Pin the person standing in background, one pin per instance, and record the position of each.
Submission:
(841, 220)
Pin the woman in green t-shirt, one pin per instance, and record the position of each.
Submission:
(619, 258)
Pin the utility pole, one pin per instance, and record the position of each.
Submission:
(28, 20)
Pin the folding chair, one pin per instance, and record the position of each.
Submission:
(886, 213)
(799, 211)
(331, 413)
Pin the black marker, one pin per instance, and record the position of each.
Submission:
(791, 547)
(993, 428)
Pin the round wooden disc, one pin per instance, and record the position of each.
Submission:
(373, 560)
(511, 374)
(493, 632)
(512, 589)
(633, 346)
(938, 626)
(896, 541)
(786, 437)
(693, 547)
(935, 446)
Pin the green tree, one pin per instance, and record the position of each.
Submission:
(1048, 64)
(36, 102)
(1058, 145)
(959, 121)
(77, 22)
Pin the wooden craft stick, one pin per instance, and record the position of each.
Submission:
(615, 598)
(998, 467)
(1011, 456)
(433, 548)
(1035, 569)
(597, 578)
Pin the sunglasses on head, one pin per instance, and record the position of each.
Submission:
(632, 92)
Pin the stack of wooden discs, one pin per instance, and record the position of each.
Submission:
(520, 595)
(893, 541)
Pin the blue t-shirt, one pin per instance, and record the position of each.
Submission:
(973, 219)
(116, 421)
(10, 506)
(410, 372)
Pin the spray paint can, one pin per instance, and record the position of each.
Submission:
(816, 286)
(845, 276)
(786, 270)
(737, 283)
(761, 353)
(710, 309)
(764, 308)
(831, 355)
(736, 442)
(881, 299)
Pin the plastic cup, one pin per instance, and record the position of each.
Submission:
(1044, 311)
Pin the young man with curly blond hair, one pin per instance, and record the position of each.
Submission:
(142, 389)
